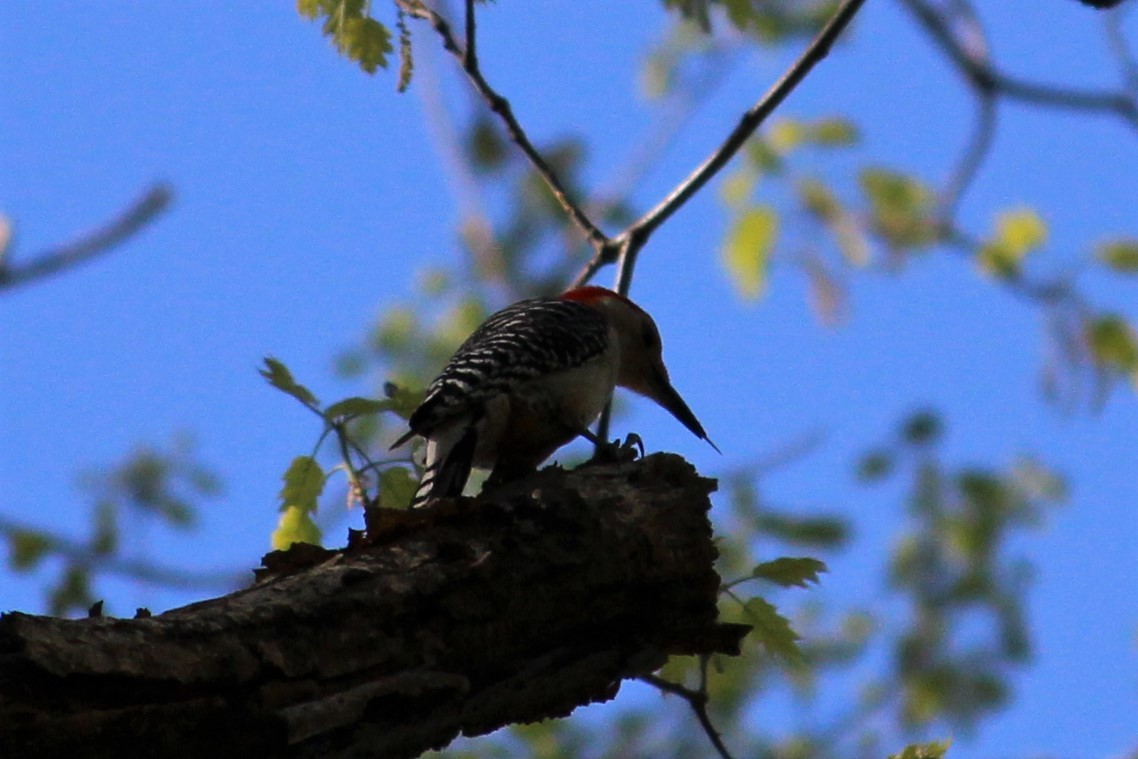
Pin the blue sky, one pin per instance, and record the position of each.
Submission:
(307, 194)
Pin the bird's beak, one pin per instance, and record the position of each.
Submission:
(663, 393)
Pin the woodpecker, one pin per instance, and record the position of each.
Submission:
(530, 379)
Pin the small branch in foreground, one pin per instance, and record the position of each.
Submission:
(697, 699)
(134, 218)
(499, 105)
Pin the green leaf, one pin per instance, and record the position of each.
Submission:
(295, 526)
(772, 630)
(396, 487)
(304, 482)
(365, 41)
(403, 401)
(26, 549)
(790, 572)
(821, 202)
(278, 375)
(1022, 229)
(1120, 255)
(933, 750)
(875, 465)
(1113, 343)
(355, 406)
(309, 9)
(833, 132)
(785, 135)
(737, 187)
(901, 207)
(748, 247)
(921, 428)
(1018, 232)
(814, 532)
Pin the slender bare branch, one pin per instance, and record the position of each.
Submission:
(987, 78)
(629, 242)
(135, 217)
(968, 166)
(1121, 51)
(500, 106)
(476, 230)
(697, 699)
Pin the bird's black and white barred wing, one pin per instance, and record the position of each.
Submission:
(530, 339)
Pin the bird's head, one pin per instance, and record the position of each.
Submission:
(640, 363)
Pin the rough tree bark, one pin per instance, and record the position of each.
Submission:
(476, 613)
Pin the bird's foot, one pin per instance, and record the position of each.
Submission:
(618, 452)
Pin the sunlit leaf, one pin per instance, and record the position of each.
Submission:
(785, 135)
(1120, 255)
(901, 207)
(737, 186)
(748, 247)
(304, 482)
(279, 376)
(1018, 233)
(772, 630)
(367, 42)
(790, 572)
(1112, 341)
(833, 132)
(1021, 229)
(295, 526)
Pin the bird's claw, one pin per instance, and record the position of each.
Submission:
(618, 452)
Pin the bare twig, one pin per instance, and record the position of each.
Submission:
(1121, 50)
(476, 229)
(629, 242)
(135, 217)
(500, 106)
(697, 699)
(987, 78)
(968, 166)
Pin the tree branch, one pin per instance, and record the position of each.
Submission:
(135, 217)
(985, 77)
(461, 617)
(629, 242)
(697, 700)
(500, 106)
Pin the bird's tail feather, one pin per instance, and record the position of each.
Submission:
(447, 467)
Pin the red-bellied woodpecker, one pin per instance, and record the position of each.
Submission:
(531, 378)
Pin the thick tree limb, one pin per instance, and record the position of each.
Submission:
(462, 617)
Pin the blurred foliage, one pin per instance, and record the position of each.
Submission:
(151, 485)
